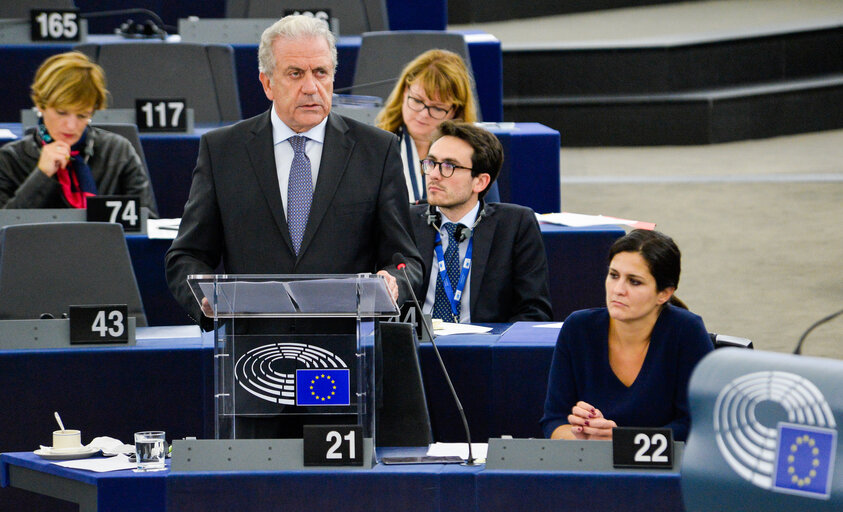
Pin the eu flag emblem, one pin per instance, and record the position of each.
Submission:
(805, 460)
(323, 387)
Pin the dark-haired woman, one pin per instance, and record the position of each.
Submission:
(627, 364)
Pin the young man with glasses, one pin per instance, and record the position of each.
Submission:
(483, 262)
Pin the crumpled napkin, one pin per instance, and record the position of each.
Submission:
(111, 446)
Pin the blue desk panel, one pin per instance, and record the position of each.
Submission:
(419, 488)
(148, 263)
(501, 381)
(118, 491)
(484, 51)
(163, 383)
(540, 491)
(578, 261)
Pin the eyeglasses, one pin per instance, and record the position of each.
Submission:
(418, 105)
(446, 169)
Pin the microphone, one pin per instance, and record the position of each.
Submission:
(398, 261)
(798, 350)
(153, 27)
(367, 84)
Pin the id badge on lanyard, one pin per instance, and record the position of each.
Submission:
(453, 297)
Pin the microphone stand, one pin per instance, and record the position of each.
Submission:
(470, 462)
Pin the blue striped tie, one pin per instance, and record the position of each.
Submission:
(299, 191)
(441, 304)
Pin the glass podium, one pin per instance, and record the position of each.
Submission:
(295, 349)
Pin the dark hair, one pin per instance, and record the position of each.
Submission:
(488, 152)
(661, 254)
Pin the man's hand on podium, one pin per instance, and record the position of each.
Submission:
(207, 310)
(391, 283)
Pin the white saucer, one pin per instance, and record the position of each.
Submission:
(65, 453)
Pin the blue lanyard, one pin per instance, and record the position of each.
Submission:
(411, 168)
(453, 298)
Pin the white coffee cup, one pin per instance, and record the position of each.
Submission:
(63, 439)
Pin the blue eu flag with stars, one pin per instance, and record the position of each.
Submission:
(805, 460)
(323, 387)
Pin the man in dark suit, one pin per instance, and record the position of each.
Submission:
(501, 268)
(296, 190)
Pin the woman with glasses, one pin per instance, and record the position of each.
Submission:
(65, 160)
(434, 87)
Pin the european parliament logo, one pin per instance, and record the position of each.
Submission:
(805, 460)
(267, 371)
(796, 456)
(323, 387)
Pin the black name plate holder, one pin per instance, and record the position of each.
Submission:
(103, 323)
(333, 445)
(639, 447)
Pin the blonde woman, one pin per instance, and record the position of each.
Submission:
(64, 160)
(433, 87)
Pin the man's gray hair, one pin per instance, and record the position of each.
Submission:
(293, 27)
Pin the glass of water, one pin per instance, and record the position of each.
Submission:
(150, 450)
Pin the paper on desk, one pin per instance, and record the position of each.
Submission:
(446, 328)
(551, 325)
(5, 133)
(582, 220)
(478, 450)
(162, 228)
(99, 464)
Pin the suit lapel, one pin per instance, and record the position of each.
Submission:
(483, 235)
(262, 157)
(336, 152)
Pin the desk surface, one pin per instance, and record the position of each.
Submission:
(414, 487)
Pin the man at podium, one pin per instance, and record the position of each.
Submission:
(298, 189)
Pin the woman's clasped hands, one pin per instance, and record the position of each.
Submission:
(587, 422)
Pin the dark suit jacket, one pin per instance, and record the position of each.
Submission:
(358, 220)
(508, 269)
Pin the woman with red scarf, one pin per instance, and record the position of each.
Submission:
(65, 160)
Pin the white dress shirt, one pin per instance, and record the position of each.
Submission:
(284, 151)
(465, 301)
(410, 159)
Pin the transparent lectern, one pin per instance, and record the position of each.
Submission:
(294, 347)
